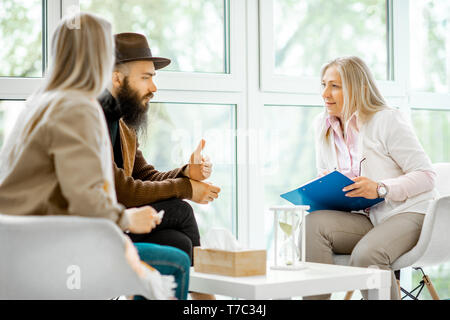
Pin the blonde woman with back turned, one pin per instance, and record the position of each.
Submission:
(371, 143)
(57, 160)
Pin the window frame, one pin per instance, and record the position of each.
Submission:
(418, 99)
(272, 82)
(302, 91)
(15, 88)
(234, 62)
(181, 87)
(229, 82)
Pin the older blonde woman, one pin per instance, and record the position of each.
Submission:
(371, 143)
(58, 159)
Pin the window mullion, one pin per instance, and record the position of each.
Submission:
(51, 10)
(390, 40)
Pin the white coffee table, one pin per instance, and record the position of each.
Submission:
(281, 284)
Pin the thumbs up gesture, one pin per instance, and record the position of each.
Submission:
(199, 168)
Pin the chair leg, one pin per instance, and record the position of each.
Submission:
(348, 295)
(399, 289)
(430, 287)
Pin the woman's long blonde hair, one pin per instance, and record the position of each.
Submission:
(82, 55)
(360, 91)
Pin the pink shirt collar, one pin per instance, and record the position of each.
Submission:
(334, 122)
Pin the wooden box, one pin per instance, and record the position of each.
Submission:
(230, 263)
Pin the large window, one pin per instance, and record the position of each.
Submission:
(191, 33)
(311, 32)
(430, 45)
(288, 153)
(174, 132)
(195, 36)
(21, 38)
(430, 72)
(433, 130)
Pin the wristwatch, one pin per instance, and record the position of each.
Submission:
(382, 190)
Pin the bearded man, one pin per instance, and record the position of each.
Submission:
(138, 183)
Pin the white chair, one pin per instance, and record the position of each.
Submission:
(433, 246)
(54, 257)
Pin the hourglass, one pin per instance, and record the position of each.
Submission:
(287, 220)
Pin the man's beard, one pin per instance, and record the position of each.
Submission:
(134, 110)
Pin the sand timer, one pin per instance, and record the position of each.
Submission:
(287, 220)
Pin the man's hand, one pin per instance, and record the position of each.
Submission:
(199, 168)
(142, 220)
(363, 187)
(203, 192)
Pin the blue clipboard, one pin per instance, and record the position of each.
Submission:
(325, 193)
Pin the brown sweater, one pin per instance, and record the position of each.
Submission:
(138, 183)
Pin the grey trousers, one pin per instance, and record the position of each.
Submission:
(329, 232)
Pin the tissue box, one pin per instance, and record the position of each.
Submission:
(243, 263)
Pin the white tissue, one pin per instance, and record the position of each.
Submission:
(220, 239)
(157, 286)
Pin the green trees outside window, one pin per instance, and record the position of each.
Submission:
(21, 38)
(174, 132)
(309, 33)
(191, 33)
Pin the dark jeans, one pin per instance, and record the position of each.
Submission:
(178, 227)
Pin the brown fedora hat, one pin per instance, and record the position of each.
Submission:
(134, 47)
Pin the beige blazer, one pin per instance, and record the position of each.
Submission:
(57, 160)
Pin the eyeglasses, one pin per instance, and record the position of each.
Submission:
(360, 163)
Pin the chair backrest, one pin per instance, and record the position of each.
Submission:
(63, 258)
(443, 178)
(433, 246)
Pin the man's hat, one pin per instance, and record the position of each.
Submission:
(134, 47)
